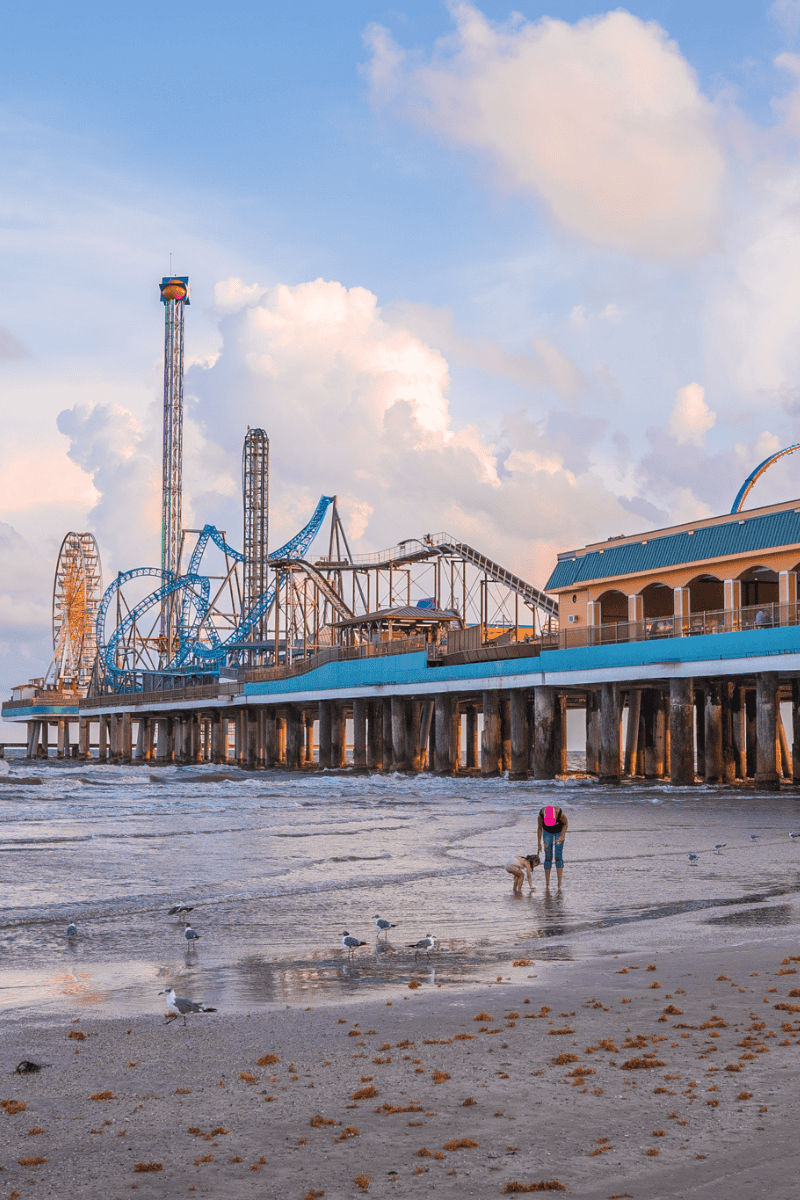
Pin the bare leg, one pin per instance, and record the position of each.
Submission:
(547, 877)
(559, 873)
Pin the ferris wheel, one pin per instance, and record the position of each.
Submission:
(77, 590)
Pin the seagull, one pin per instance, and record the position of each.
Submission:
(720, 846)
(179, 1007)
(190, 936)
(693, 857)
(794, 835)
(754, 836)
(180, 908)
(383, 926)
(350, 943)
(427, 943)
(72, 929)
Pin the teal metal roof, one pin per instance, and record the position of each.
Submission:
(742, 535)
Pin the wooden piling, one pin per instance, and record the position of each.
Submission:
(399, 749)
(544, 734)
(472, 737)
(632, 732)
(325, 732)
(518, 721)
(360, 707)
(609, 733)
(592, 765)
(443, 726)
(386, 735)
(766, 731)
(681, 731)
(374, 735)
(491, 749)
(714, 765)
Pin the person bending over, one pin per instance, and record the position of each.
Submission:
(519, 867)
(553, 829)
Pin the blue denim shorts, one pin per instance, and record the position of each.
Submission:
(549, 843)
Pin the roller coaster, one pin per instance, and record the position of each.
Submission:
(298, 611)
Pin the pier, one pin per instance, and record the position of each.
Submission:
(670, 688)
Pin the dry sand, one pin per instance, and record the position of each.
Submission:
(544, 1078)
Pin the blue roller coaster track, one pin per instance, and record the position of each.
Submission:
(193, 589)
(752, 478)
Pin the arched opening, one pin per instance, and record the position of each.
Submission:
(759, 586)
(613, 608)
(658, 601)
(706, 594)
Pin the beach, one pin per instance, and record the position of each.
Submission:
(606, 1078)
(635, 1034)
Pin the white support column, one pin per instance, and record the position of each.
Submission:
(787, 597)
(593, 617)
(733, 602)
(683, 611)
(636, 616)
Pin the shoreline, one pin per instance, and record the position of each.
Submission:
(533, 1119)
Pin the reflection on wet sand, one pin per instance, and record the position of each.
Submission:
(261, 861)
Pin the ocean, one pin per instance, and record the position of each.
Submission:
(277, 865)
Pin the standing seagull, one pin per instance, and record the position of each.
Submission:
(720, 846)
(72, 929)
(794, 835)
(179, 1007)
(190, 937)
(427, 944)
(754, 837)
(351, 944)
(693, 857)
(383, 926)
(180, 908)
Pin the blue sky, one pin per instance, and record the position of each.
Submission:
(514, 333)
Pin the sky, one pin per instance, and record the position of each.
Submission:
(528, 275)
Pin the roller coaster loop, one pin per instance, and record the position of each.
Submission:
(194, 590)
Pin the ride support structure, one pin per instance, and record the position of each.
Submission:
(255, 540)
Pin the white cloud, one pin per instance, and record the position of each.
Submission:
(354, 404)
(232, 294)
(603, 120)
(786, 13)
(122, 457)
(691, 418)
(549, 366)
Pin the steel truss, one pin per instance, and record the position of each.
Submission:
(255, 540)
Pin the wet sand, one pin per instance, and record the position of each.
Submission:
(610, 1077)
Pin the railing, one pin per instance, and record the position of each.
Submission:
(330, 654)
(205, 691)
(60, 699)
(211, 691)
(726, 620)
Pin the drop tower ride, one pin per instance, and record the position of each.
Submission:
(174, 297)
